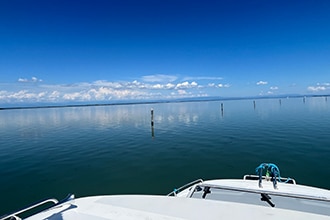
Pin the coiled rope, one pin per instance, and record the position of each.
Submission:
(271, 170)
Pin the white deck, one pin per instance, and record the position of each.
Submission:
(212, 199)
(228, 199)
(267, 187)
(161, 207)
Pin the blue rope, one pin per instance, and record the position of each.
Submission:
(274, 170)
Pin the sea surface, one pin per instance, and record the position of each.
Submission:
(114, 149)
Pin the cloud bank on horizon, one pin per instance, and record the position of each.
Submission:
(147, 88)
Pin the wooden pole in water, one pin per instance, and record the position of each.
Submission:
(280, 102)
(222, 109)
(254, 104)
(152, 117)
(152, 122)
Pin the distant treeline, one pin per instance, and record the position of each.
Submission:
(204, 99)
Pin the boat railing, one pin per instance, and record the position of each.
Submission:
(40, 204)
(281, 179)
(180, 189)
(260, 191)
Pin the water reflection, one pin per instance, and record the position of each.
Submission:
(320, 103)
(100, 116)
(104, 117)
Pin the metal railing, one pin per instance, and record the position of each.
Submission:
(176, 191)
(14, 215)
(281, 179)
(260, 191)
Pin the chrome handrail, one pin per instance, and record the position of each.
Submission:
(269, 192)
(14, 215)
(175, 191)
(281, 179)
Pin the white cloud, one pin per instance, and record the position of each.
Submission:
(186, 85)
(106, 83)
(182, 92)
(183, 85)
(273, 88)
(33, 79)
(170, 86)
(72, 96)
(223, 85)
(193, 84)
(159, 78)
(220, 85)
(323, 84)
(102, 90)
(23, 95)
(316, 88)
(53, 96)
(22, 80)
(262, 83)
(319, 87)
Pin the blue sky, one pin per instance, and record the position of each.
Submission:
(94, 51)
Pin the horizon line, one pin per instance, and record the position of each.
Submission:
(195, 99)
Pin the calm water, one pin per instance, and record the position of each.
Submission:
(110, 149)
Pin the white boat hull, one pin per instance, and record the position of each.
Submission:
(129, 207)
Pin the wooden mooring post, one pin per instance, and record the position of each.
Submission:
(152, 117)
(222, 109)
(152, 122)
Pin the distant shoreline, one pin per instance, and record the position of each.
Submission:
(206, 99)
